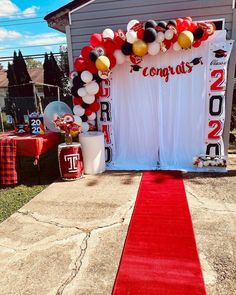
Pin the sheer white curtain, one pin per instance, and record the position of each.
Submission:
(157, 122)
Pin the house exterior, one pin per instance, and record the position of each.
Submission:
(36, 77)
(80, 18)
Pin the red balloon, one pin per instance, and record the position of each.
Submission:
(79, 64)
(91, 67)
(193, 27)
(174, 39)
(85, 52)
(77, 100)
(179, 22)
(196, 43)
(118, 40)
(95, 106)
(88, 111)
(96, 40)
(112, 60)
(109, 47)
(188, 18)
(140, 33)
(167, 43)
(186, 24)
(205, 36)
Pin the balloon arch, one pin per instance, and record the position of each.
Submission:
(111, 48)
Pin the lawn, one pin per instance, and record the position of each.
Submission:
(12, 199)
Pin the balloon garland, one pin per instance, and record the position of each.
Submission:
(111, 48)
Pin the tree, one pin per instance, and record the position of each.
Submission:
(33, 64)
(64, 65)
(19, 88)
(53, 75)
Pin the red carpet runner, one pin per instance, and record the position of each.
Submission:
(160, 255)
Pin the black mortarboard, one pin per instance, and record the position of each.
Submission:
(136, 68)
(220, 53)
(196, 61)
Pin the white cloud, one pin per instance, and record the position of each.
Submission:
(45, 39)
(31, 11)
(9, 9)
(7, 34)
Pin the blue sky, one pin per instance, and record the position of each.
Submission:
(22, 24)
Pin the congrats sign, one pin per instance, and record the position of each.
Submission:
(161, 111)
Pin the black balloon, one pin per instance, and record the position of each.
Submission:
(77, 82)
(150, 24)
(150, 35)
(85, 105)
(198, 33)
(162, 25)
(84, 118)
(97, 78)
(93, 55)
(127, 48)
(171, 23)
(74, 91)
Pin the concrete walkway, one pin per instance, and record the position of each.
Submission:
(68, 240)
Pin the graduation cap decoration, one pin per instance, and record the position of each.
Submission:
(135, 68)
(220, 53)
(196, 61)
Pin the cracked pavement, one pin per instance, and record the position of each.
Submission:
(68, 240)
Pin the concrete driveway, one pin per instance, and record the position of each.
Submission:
(68, 240)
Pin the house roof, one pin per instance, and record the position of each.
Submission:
(59, 18)
(35, 74)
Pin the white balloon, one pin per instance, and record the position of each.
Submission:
(160, 37)
(78, 110)
(169, 34)
(131, 24)
(154, 48)
(92, 116)
(92, 88)
(86, 76)
(176, 46)
(131, 36)
(108, 33)
(85, 127)
(120, 57)
(78, 120)
(82, 92)
(88, 99)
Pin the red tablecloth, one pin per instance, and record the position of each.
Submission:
(25, 145)
(8, 172)
(33, 145)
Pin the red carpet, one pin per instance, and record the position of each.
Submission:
(160, 255)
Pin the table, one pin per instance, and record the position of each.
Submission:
(25, 145)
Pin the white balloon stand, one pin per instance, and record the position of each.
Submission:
(93, 150)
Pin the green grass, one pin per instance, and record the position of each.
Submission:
(12, 199)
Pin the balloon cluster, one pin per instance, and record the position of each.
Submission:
(111, 48)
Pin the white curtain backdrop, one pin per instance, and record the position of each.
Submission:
(159, 124)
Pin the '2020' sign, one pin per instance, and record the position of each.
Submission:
(216, 94)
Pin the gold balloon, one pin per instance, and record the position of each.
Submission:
(102, 63)
(140, 48)
(185, 39)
